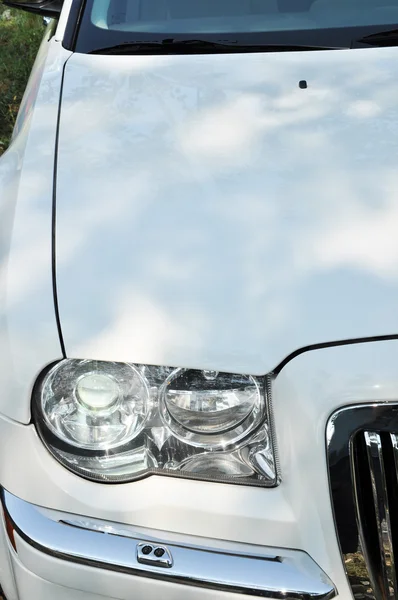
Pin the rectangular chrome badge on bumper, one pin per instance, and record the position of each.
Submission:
(263, 572)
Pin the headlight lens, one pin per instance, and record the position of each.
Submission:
(117, 422)
(210, 409)
(97, 406)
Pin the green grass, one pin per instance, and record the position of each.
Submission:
(20, 37)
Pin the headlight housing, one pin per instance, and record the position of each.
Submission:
(116, 422)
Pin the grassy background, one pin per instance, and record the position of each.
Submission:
(20, 36)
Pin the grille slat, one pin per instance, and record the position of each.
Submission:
(394, 442)
(386, 576)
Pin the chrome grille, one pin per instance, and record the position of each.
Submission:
(381, 503)
(363, 467)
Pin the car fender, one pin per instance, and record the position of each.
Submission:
(29, 338)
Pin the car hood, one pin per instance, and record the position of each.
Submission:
(213, 214)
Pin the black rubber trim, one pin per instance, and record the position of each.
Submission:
(54, 218)
(324, 345)
(73, 24)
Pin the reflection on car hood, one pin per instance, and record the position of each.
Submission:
(212, 214)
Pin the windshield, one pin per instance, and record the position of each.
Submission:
(112, 22)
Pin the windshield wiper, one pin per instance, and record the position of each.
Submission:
(173, 46)
(387, 37)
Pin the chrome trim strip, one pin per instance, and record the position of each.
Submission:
(394, 442)
(382, 510)
(279, 574)
(272, 428)
(361, 560)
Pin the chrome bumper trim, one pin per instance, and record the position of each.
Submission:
(256, 571)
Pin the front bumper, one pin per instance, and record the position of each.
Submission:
(50, 544)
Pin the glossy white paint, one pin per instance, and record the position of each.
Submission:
(63, 19)
(31, 586)
(28, 332)
(211, 214)
(55, 579)
(297, 514)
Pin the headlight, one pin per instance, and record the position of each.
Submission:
(117, 422)
(210, 409)
(95, 406)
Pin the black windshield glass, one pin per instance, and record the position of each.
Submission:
(325, 23)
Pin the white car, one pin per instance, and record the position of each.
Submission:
(199, 304)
